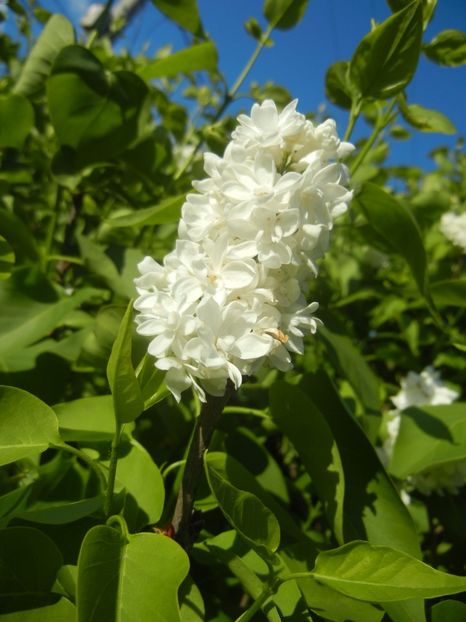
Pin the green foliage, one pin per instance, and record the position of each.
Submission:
(447, 48)
(16, 120)
(57, 34)
(386, 59)
(28, 426)
(140, 574)
(99, 149)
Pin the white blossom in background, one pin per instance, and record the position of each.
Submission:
(453, 227)
(424, 389)
(231, 295)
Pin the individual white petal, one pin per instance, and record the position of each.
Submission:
(252, 346)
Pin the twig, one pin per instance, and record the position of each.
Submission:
(202, 434)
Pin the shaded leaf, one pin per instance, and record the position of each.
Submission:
(16, 120)
(449, 293)
(58, 612)
(451, 610)
(397, 227)
(29, 562)
(7, 259)
(337, 84)
(245, 512)
(96, 112)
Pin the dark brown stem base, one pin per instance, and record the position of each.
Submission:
(202, 434)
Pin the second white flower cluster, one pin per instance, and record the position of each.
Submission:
(231, 295)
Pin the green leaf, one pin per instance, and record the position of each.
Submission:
(429, 436)
(167, 211)
(58, 612)
(243, 510)
(449, 610)
(140, 477)
(7, 259)
(447, 48)
(428, 8)
(183, 12)
(392, 221)
(192, 607)
(29, 314)
(449, 293)
(284, 14)
(27, 425)
(312, 438)
(29, 562)
(94, 111)
(127, 398)
(60, 512)
(19, 237)
(229, 550)
(426, 120)
(372, 508)
(386, 59)
(16, 120)
(200, 57)
(382, 574)
(327, 603)
(57, 34)
(337, 84)
(129, 577)
(353, 365)
(87, 419)
(99, 263)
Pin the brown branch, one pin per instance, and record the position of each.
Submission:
(202, 434)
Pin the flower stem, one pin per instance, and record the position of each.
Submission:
(203, 429)
(381, 123)
(354, 115)
(112, 470)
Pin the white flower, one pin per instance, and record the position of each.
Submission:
(229, 297)
(453, 227)
(423, 389)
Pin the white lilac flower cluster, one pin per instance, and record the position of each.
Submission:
(424, 389)
(230, 296)
(453, 227)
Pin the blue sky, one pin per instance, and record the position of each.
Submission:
(330, 31)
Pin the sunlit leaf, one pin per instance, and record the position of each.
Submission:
(27, 425)
(429, 436)
(129, 577)
(284, 14)
(447, 48)
(381, 574)
(128, 403)
(57, 34)
(386, 59)
(200, 57)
